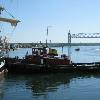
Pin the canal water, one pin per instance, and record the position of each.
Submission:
(54, 86)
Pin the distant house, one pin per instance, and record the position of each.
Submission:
(13, 46)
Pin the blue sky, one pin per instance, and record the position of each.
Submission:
(61, 15)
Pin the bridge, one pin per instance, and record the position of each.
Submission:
(86, 35)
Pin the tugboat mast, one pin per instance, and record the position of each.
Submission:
(46, 38)
(47, 35)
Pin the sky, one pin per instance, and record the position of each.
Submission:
(59, 16)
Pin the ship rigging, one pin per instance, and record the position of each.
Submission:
(3, 41)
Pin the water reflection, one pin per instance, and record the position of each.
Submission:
(41, 84)
(44, 84)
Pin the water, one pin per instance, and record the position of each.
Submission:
(58, 86)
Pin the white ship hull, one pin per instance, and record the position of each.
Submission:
(2, 70)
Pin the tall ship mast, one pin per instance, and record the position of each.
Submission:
(3, 41)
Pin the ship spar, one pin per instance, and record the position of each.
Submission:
(13, 22)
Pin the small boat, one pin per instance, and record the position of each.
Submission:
(77, 49)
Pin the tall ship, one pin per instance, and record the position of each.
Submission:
(4, 46)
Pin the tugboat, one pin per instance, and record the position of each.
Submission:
(41, 60)
(3, 41)
(46, 56)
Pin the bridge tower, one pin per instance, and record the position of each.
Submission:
(69, 45)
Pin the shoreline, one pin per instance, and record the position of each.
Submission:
(30, 45)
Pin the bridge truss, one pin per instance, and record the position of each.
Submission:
(86, 35)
